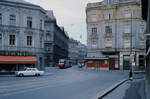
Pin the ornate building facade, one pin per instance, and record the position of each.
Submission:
(28, 36)
(115, 29)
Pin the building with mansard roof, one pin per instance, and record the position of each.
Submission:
(24, 38)
(115, 29)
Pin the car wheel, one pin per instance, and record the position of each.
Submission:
(37, 74)
(21, 75)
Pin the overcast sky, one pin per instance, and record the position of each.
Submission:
(70, 14)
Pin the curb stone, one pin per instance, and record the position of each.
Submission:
(105, 92)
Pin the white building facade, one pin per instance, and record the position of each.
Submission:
(21, 35)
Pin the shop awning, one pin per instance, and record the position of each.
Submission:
(18, 60)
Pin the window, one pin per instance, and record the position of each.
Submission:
(48, 37)
(0, 18)
(29, 22)
(29, 40)
(139, 12)
(94, 30)
(11, 39)
(94, 44)
(93, 18)
(108, 29)
(142, 29)
(40, 24)
(41, 42)
(108, 16)
(0, 39)
(127, 29)
(12, 20)
(127, 14)
(127, 44)
(108, 43)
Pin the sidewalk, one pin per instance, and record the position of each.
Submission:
(129, 90)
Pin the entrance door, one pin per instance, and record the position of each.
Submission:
(96, 64)
(111, 63)
(126, 62)
(141, 62)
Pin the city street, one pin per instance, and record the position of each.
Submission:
(70, 83)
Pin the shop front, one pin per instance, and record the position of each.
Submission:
(10, 64)
(101, 63)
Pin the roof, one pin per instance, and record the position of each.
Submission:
(18, 2)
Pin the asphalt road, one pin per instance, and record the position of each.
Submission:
(70, 83)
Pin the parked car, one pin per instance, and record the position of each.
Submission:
(80, 65)
(29, 72)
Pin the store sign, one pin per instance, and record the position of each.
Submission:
(90, 62)
(106, 62)
(13, 53)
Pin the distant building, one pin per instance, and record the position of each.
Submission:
(82, 51)
(77, 51)
(56, 41)
(114, 28)
(73, 50)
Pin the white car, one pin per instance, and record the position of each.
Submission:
(29, 72)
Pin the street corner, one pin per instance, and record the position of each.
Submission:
(118, 93)
(131, 89)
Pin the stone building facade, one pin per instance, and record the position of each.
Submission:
(56, 41)
(82, 51)
(115, 29)
(21, 31)
(77, 51)
(28, 36)
(73, 51)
